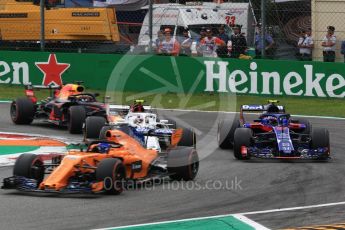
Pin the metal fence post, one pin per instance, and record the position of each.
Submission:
(150, 24)
(42, 37)
(263, 28)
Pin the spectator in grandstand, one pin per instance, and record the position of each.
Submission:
(198, 40)
(343, 49)
(222, 35)
(328, 44)
(238, 43)
(269, 45)
(300, 41)
(210, 44)
(169, 46)
(186, 43)
(306, 45)
(159, 39)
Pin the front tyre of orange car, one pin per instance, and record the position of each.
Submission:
(113, 174)
(30, 166)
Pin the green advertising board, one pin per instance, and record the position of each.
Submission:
(141, 73)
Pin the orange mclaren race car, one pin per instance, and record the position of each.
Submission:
(106, 166)
(67, 106)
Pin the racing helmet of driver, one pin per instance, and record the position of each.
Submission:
(138, 106)
(270, 120)
(103, 147)
(272, 108)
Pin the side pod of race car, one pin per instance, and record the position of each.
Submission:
(107, 165)
(67, 106)
(274, 135)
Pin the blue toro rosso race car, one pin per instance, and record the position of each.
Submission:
(274, 135)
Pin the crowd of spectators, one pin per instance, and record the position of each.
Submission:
(328, 44)
(207, 44)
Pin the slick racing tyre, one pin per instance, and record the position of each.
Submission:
(188, 138)
(242, 137)
(320, 139)
(93, 127)
(102, 134)
(77, 115)
(225, 134)
(22, 111)
(113, 174)
(172, 123)
(29, 166)
(183, 163)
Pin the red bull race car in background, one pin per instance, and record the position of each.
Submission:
(274, 135)
(67, 105)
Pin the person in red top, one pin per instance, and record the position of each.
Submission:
(210, 44)
(169, 45)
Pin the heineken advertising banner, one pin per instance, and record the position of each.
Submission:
(174, 74)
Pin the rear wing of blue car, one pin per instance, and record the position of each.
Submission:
(260, 108)
(257, 109)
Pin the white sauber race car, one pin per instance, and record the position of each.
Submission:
(141, 123)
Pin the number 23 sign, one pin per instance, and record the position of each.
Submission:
(230, 20)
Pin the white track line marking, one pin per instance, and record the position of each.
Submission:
(166, 222)
(293, 208)
(250, 222)
(228, 215)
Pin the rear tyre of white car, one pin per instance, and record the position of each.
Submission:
(183, 163)
(188, 138)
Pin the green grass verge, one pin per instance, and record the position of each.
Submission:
(205, 101)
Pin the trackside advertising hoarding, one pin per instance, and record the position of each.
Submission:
(139, 73)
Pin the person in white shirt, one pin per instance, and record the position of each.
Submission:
(306, 45)
(328, 44)
(185, 43)
(210, 44)
(169, 45)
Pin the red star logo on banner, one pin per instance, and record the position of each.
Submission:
(52, 70)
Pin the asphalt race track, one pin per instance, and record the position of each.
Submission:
(261, 185)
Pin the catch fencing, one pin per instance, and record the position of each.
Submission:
(81, 26)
